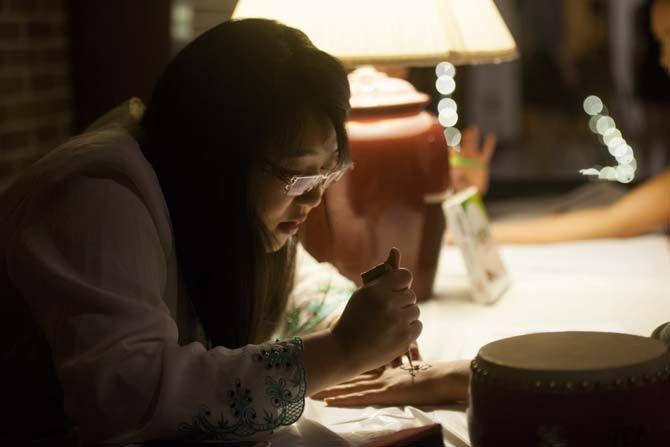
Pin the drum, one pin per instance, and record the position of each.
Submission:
(571, 389)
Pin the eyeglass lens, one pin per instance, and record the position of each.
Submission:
(305, 184)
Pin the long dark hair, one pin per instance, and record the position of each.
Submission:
(240, 89)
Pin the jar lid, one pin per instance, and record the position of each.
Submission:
(372, 89)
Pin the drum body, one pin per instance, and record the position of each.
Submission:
(571, 389)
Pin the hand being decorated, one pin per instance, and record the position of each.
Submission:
(470, 165)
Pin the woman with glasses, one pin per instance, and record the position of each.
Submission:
(147, 268)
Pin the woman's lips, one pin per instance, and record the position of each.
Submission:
(290, 227)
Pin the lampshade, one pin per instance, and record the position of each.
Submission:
(395, 32)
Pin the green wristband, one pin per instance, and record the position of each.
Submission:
(465, 162)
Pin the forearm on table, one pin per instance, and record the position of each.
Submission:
(644, 209)
(453, 382)
(587, 224)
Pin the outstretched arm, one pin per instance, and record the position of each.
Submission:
(643, 209)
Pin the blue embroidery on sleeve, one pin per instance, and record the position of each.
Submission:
(285, 389)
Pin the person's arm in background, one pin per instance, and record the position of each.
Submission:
(644, 209)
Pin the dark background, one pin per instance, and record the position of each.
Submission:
(65, 62)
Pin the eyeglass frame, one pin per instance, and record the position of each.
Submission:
(291, 180)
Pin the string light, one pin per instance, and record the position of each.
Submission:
(452, 136)
(593, 105)
(448, 118)
(447, 103)
(604, 125)
(445, 85)
(610, 134)
(445, 69)
(447, 108)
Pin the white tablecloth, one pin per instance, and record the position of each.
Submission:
(609, 285)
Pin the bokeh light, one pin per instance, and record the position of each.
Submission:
(604, 126)
(608, 173)
(445, 85)
(593, 105)
(446, 103)
(589, 171)
(625, 158)
(593, 121)
(624, 174)
(453, 136)
(611, 134)
(445, 69)
(448, 118)
(604, 123)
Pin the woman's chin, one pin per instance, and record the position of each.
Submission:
(278, 242)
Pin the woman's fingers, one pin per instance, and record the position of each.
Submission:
(470, 141)
(489, 147)
(370, 375)
(400, 279)
(367, 377)
(370, 397)
(411, 313)
(373, 373)
(394, 258)
(405, 299)
(346, 389)
(470, 145)
(417, 328)
(414, 351)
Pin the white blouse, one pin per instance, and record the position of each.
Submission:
(99, 342)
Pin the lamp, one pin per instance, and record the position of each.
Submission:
(397, 147)
(395, 32)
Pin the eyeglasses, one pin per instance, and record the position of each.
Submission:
(297, 185)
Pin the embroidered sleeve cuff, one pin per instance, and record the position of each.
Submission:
(270, 395)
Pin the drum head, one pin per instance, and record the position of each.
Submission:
(572, 351)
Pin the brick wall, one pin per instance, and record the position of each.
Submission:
(35, 97)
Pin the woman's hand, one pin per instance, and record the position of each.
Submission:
(442, 383)
(413, 351)
(381, 319)
(470, 165)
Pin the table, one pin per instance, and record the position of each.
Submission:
(607, 285)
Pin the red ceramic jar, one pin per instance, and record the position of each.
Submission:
(400, 157)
